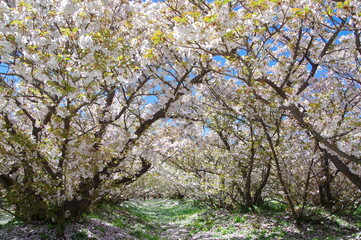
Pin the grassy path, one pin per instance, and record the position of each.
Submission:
(164, 219)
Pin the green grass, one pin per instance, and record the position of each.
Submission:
(146, 219)
(239, 219)
(202, 224)
(226, 230)
(150, 217)
(158, 219)
(272, 206)
(8, 226)
(80, 236)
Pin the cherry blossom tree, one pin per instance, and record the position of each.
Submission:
(82, 82)
(299, 56)
(85, 83)
(298, 59)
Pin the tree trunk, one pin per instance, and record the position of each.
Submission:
(342, 167)
(335, 159)
(325, 191)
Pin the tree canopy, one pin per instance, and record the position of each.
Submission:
(235, 100)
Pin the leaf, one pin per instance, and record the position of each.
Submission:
(296, 10)
(258, 3)
(18, 22)
(180, 20)
(157, 36)
(150, 53)
(10, 37)
(222, 2)
(65, 31)
(210, 18)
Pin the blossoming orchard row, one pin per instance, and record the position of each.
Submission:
(237, 101)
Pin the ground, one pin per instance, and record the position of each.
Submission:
(164, 219)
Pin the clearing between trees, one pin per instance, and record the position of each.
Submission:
(230, 102)
(161, 219)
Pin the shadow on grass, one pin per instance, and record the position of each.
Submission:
(162, 219)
